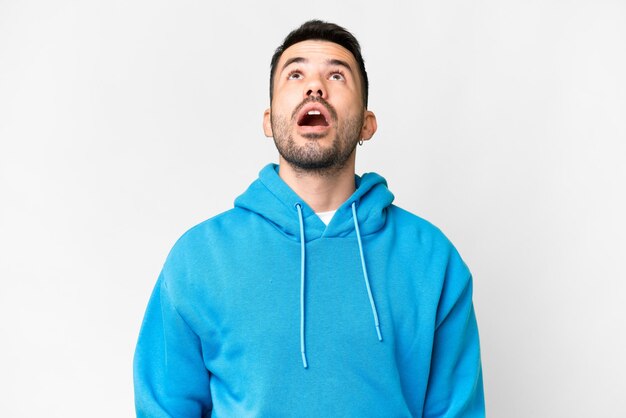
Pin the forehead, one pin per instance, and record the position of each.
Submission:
(317, 51)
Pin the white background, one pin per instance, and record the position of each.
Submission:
(123, 123)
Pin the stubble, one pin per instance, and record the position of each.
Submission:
(311, 157)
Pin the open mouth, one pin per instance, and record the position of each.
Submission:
(312, 118)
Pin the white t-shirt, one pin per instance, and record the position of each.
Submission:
(326, 216)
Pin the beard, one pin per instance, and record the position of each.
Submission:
(312, 157)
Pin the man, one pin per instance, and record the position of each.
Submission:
(313, 296)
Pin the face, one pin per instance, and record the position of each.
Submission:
(317, 115)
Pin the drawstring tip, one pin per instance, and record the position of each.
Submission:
(380, 336)
(304, 363)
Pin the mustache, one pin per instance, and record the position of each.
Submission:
(315, 99)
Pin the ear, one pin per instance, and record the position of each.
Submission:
(267, 123)
(369, 125)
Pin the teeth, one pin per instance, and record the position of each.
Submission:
(314, 112)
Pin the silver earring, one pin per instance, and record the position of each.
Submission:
(360, 142)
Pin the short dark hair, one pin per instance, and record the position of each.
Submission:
(319, 30)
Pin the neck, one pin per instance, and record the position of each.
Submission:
(322, 190)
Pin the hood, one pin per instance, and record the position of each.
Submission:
(270, 197)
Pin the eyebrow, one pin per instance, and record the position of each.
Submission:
(334, 61)
(293, 60)
(340, 63)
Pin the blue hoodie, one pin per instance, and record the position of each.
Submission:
(264, 311)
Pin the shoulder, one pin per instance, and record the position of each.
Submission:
(426, 241)
(200, 255)
(422, 236)
(200, 242)
(211, 230)
(408, 223)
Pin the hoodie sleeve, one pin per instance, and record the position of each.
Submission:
(170, 377)
(455, 386)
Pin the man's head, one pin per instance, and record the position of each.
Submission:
(318, 99)
(318, 30)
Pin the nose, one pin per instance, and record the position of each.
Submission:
(315, 87)
(318, 92)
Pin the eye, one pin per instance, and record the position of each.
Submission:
(294, 75)
(337, 76)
